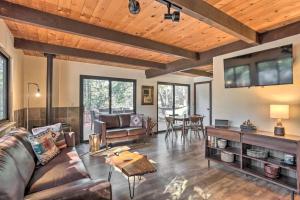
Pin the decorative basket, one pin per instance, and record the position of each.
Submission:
(222, 143)
(257, 153)
(227, 156)
(289, 159)
(272, 171)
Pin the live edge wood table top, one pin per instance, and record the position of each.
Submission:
(131, 164)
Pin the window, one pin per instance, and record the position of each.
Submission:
(172, 99)
(3, 87)
(104, 95)
(122, 97)
(109, 95)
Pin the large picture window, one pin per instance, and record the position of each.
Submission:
(3, 87)
(107, 96)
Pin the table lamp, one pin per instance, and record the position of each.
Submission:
(279, 112)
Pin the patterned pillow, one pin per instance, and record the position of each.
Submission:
(55, 127)
(136, 120)
(59, 139)
(43, 146)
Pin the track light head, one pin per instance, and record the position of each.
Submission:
(175, 16)
(134, 7)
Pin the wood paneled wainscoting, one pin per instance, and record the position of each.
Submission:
(238, 142)
(37, 117)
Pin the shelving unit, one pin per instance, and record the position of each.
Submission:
(217, 158)
(283, 181)
(233, 150)
(273, 161)
(254, 166)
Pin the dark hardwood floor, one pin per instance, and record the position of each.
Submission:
(182, 173)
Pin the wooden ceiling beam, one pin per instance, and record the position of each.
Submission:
(206, 57)
(80, 53)
(31, 16)
(198, 72)
(207, 13)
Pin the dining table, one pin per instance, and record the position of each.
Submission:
(185, 119)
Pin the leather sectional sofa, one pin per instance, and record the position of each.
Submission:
(64, 177)
(116, 128)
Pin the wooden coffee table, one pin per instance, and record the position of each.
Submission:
(131, 164)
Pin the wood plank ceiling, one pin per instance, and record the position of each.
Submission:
(190, 33)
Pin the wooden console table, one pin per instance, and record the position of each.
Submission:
(240, 141)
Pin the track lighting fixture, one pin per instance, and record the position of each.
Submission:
(175, 16)
(134, 7)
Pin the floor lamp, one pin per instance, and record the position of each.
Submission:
(37, 94)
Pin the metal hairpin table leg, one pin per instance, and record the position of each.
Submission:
(109, 173)
(292, 195)
(131, 193)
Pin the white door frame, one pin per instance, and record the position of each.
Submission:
(210, 98)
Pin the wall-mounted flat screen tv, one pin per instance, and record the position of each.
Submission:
(269, 67)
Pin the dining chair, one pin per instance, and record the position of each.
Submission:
(171, 126)
(196, 125)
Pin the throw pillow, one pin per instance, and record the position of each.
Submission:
(136, 120)
(59, 139)
(43, 146)
(55, 127)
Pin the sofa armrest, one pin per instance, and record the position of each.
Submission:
(81, 189)
(70, 139)
(100, 128)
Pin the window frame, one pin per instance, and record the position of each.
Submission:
(7, 57)
(174, 96)
(110, 79)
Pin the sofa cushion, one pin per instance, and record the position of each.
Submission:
(12, 186)
(59, 139)
(22, 135)
(136, 131)
(43, 146)
(23, 159)
(124, 120)
(116, 133)
(55, 128)
(111, 121)
(136, 120)
(64, 168)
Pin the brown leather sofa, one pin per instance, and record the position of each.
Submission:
(116, 128)
(64, 177)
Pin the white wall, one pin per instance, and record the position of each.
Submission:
(16, 68)
(66, 88)
(239, 104)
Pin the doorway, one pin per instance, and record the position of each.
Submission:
(172, 99)
(203, 101)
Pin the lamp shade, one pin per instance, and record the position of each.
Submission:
(279, 111)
